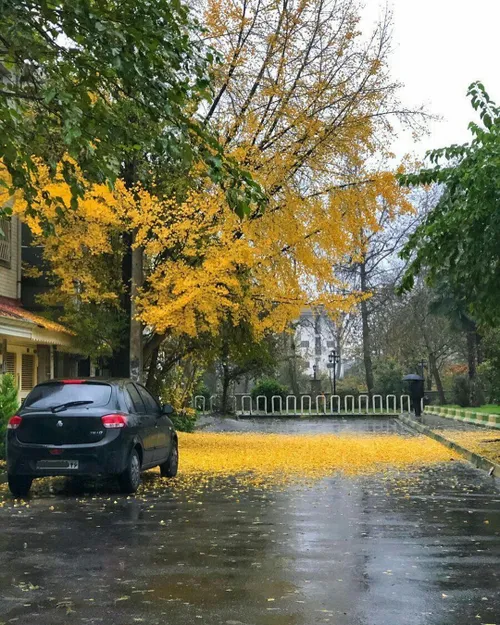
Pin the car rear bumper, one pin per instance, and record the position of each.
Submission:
(107, 457)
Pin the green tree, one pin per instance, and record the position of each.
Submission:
(8, 406)
(388, 377)
(269, 388)
(117, 86)
(489, 369)
(114, 84)
(241, 353)
(458, 241)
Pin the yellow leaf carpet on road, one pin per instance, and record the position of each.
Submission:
(214, 460)
(288, 457)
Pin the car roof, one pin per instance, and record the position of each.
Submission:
(88, 379)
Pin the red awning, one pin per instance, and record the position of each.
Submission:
(12, 310)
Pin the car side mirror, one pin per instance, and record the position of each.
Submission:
(167, 409)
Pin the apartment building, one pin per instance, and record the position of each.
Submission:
(315, 339)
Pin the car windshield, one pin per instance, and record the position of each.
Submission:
(46, 396)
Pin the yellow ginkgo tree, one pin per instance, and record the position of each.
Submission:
(303, 101)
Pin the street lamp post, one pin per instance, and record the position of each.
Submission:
(315, 368)
(423, 366)
(333, 359)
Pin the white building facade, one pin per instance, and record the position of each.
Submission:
(32, 348)
(315, 339)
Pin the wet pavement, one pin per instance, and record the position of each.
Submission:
(420, 548)
(437, 422)
(305, 425)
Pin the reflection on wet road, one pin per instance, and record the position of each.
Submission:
(299, 425)
(402, 549)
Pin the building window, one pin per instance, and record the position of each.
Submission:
(330, 343)
(9, 363)
(27, 372)
(5, 238)
(318, 346)
(304, 344)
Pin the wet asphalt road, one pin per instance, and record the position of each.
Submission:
(300, 425)
(410, 549)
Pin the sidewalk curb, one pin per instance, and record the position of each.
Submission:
(478, 461)
(482, 419)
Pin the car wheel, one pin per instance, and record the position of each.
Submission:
(131, 477)
(170, 466)
(20, 485)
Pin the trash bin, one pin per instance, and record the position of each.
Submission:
(415, 391)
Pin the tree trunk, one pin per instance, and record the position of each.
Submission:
(292, 368)
(434, 371)
(471, 353)
(225, 388)
(338, 343)
(479, 347)
(151, 381)
(136, 364)
(119, 362)
(367, 351)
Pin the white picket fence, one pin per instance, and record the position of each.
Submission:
(306, 405)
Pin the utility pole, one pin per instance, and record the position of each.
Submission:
(136, 360)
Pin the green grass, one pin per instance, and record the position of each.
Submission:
(488, 408)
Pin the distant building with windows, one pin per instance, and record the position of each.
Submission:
(315, 339)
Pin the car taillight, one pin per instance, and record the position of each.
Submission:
(14, 422)
(111, 421)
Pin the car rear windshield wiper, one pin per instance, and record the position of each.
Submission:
(68, 404)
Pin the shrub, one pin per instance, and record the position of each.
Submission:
(8, 406)
(203, 390)
(348, 387)
(461, 390)
(183, 421)
(489, 377)
(269, 388)
(388, 378)
(177, 390)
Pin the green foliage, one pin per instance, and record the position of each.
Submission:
(111, 82)
(461, 391)
(349, 386)
(269, 388)
(388, 378)
(489, 370)
(489, 378)
(8, 406)
(203, 390)
(486, 408)
(183, 421)
(99, 329)
(240, 353)
(458, 241)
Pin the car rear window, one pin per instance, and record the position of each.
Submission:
(57, 393)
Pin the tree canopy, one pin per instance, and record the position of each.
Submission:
(302, 100)
(107, 82)
(458, 242)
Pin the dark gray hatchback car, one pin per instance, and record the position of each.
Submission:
(88, 428)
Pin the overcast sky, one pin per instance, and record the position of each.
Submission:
(440, 47)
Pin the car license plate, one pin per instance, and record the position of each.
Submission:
(57, 464)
